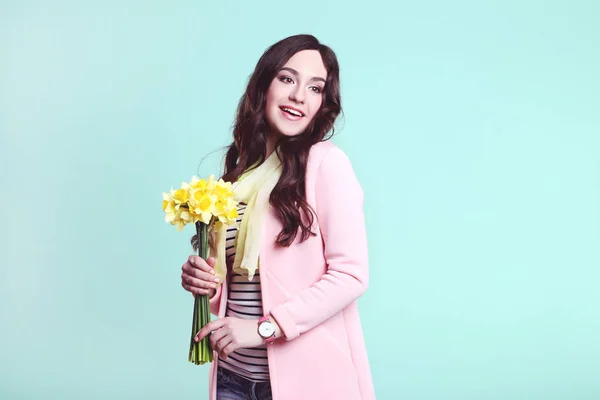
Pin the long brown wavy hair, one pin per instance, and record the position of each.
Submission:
(250, 128)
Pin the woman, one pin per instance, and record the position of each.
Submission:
(288, 325)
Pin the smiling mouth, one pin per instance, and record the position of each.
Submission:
(293, 112)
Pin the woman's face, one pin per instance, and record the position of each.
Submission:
(296, 94)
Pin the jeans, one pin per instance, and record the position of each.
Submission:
(231, 386)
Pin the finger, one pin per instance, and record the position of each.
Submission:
(208, 328)
(211, 262)
(217, 335)
(222, 344)
(198, 262)
(200, 283)
(194, 290)
(192, 272)
(228, 349)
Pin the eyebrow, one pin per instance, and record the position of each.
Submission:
(293, 71)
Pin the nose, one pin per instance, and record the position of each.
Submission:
(297, 94)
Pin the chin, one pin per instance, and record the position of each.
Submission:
(291, 134)
(282, 131)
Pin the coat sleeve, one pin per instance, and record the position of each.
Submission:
(215, 301)
(339, 208)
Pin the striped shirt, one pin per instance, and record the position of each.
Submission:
(244, 301)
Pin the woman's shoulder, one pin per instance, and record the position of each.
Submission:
(327, 159)
(330, 172)
(327, 151)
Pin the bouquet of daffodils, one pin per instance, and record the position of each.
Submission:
(210, 205)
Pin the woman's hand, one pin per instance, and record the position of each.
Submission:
(230, 334)
(198, 276)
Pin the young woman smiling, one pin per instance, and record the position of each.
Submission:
(288, 324)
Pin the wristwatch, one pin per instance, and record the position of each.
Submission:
(266, 329)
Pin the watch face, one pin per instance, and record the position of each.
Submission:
(266, 329)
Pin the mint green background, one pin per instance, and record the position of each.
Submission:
(473, 127)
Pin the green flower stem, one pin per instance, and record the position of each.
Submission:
(201, 352)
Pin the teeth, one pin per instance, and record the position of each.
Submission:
(293, 112)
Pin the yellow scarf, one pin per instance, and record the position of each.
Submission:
(252, 188)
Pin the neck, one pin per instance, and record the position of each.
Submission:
(270, 145)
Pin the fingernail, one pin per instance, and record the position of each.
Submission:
(217, 280)
(212, 271)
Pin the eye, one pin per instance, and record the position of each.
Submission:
(316, 89)
(286, 79)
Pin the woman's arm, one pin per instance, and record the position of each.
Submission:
(339, 207)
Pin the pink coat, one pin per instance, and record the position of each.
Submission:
(311, 289)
